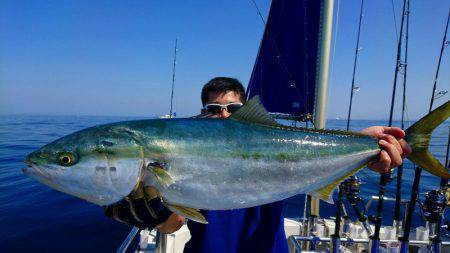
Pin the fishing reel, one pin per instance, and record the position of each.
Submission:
(351, 187)
(434, 205)
(389, 176)
(446, 191)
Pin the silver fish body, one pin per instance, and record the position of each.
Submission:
(226, 164)
(213, 164)
(209, 164)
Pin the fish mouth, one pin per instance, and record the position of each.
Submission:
(34, 171)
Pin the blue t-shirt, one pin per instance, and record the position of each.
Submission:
(256, 229)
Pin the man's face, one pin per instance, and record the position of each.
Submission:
(222, 98)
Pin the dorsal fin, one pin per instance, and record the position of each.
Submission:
(254, 112)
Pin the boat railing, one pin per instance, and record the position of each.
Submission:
(298, 240)
(128, 240)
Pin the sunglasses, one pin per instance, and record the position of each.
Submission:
(217, 108)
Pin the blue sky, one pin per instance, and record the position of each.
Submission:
(115, 57)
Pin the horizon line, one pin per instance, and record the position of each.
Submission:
(158, 115)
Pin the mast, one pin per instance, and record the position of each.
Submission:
(322, 80)
(173, 77)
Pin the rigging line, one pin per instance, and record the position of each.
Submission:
(279, 57)
(354, 65)
(395, 19)
(336, 28)
(259, 12)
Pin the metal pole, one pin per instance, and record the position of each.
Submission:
(354, 66)
(173, 77)
(130, 237)
(322, 78)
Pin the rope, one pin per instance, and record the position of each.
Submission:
(395, 19)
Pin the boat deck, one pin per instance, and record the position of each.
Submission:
(354, 238)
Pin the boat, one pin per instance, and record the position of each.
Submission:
(295, 91)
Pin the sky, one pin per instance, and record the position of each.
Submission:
(115, 57)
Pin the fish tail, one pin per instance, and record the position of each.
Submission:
(419, 135)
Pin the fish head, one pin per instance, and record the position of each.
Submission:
(101, 164)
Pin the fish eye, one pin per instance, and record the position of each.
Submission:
(66, 159)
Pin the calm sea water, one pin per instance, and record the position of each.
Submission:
(34, 217)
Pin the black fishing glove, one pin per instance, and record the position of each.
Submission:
(142, 209)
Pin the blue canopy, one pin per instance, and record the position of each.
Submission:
(284, 75)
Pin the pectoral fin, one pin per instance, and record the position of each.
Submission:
(188, 212)
(326, 193)
(161, 174)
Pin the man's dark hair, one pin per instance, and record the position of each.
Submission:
(223, 84)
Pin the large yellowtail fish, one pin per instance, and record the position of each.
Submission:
(246, 160)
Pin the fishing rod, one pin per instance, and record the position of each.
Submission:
(397, 224)
(354, 65)
(335, 240)
(418, 171)
(351, 188)
(444, 43)
(434, 206)
(385, 177)
(444, 183)
(173, 77)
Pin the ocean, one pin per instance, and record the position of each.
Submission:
(34, 217)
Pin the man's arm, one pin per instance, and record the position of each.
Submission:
(145, 213)
(394, 147)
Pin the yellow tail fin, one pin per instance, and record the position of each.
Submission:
(418, 136)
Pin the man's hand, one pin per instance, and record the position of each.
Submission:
(144, 209)
(172, 224)
(394, 147)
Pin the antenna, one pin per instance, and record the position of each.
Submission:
(173, 77)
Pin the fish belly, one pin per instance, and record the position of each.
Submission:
(221, 183)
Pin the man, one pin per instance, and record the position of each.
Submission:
(256, 229)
